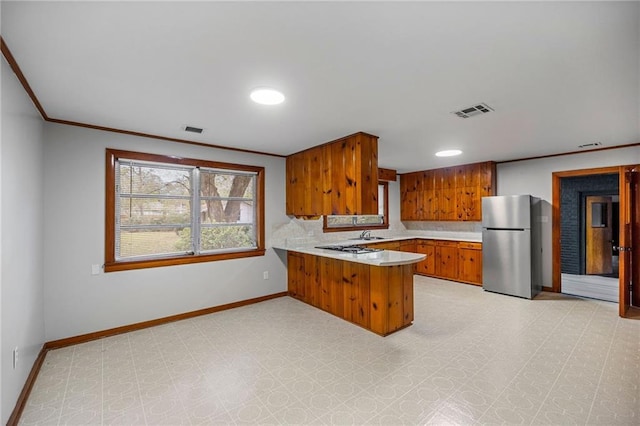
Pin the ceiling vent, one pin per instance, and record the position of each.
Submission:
(193, 129)
(473, 110)
(590, 145)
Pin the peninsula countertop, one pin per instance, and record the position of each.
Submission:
(376, 258)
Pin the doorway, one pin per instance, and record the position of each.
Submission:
(587, 228)
(602, 211)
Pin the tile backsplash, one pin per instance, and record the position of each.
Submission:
(299, 231)
(444, 226)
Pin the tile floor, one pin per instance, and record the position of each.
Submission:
(470, 357)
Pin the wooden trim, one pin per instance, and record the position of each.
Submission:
(171, 159)
(556, 180)
(83, 338)
(70, 341)
(179, 260)
(25, 84)
(164, 138)
(569, 153)
(555, 233)
(26, 389)
(549, 289)
(18, 72)
(111, 265)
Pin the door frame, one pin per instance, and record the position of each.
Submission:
(556, 179)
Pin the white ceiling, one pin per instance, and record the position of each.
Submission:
(557, 74)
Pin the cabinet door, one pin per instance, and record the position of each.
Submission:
(487, 179)
(447, 260)
(409, 206)
(295, 185)
(355, 287)
(340, 158)
(470, 263)
(428, 265)
(312, 284)
(447, 204)
(390, 245)
(313, 188)
(296, 274)
(408, 197)
(468, 204)
(408, 246)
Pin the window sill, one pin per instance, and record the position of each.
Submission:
(179, 260)
(356, 228)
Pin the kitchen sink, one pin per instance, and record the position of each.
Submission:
(367, 238)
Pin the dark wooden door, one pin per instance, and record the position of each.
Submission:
(629, 241)
(599, 248)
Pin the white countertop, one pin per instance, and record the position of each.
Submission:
(450, 236)
(376, 258)
(381, 258)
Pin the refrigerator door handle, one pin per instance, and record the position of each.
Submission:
(505, 229)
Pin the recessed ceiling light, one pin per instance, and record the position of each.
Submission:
(267, 96)
(448, 153)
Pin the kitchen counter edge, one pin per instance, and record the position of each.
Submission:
(377, 258)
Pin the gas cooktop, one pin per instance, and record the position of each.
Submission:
(350, 249)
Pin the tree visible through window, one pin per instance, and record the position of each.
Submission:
(334, 223)
(168, 210)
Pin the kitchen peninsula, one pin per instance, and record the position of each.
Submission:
(373, 289)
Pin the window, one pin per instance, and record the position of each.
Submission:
(336, 223)
(164, 210)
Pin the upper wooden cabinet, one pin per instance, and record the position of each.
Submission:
(386, 175)
(337, 178)
(451, 193)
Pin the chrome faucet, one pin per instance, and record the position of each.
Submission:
(366, 235)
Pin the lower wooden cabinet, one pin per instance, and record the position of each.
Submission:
(386, 245)
(452, 260)
(378, 298)
(470, 263)
(428, 265)
(447, 259)
(408, 246)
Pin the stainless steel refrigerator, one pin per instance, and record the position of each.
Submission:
(511, 245)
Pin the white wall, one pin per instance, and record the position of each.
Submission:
(21, 228)
(534, 177)
(78, 302)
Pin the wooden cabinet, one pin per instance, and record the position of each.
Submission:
(447, 259)
(428, 265)
(339, 177)
(470, 263)
(296, 275)
(451, 260)
(387, 175)
(447, 194)
(378, 298)
(386, 245)
(408, 246)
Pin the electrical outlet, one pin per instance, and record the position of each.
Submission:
(95, 269)
(265, 275)
(15, 358)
